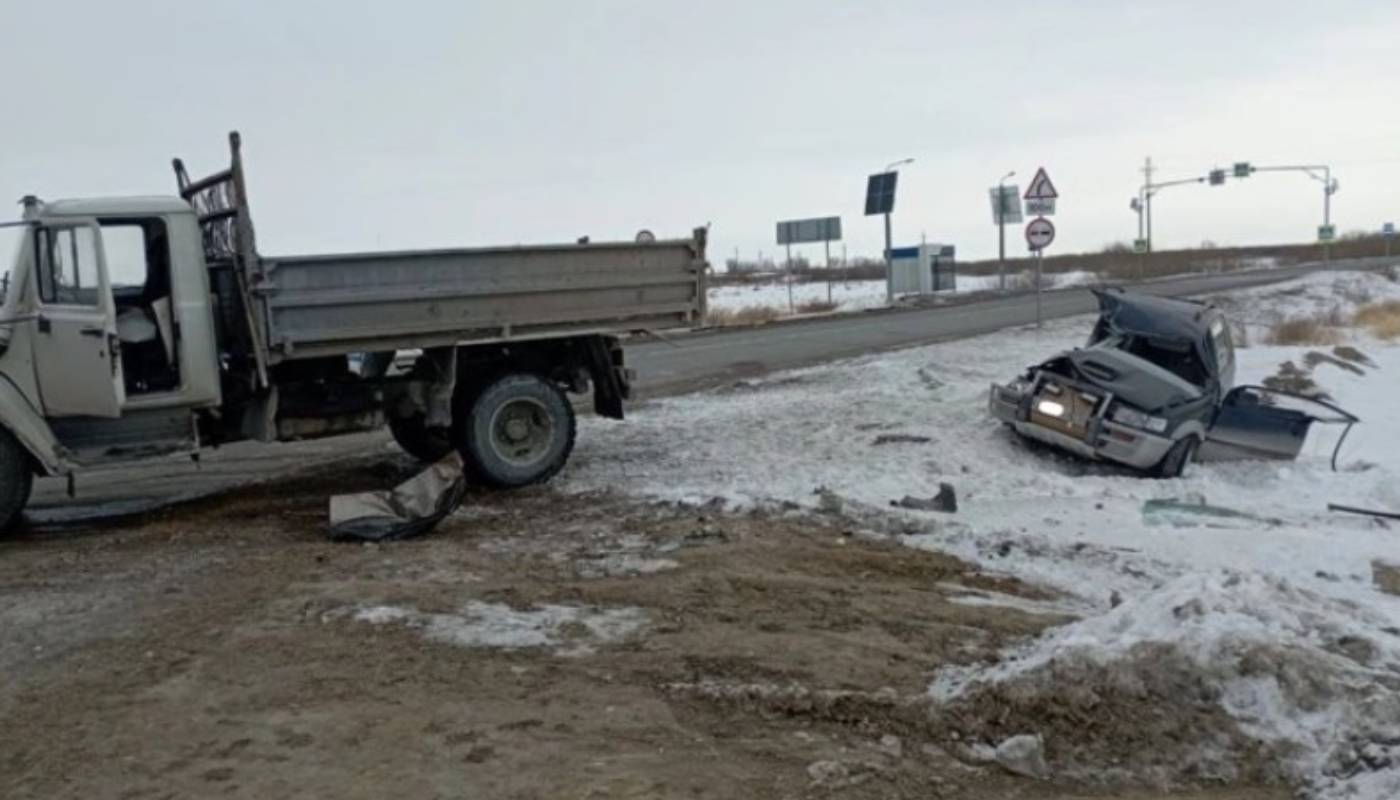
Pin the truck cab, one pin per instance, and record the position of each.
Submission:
(109, 344)
(137, 327)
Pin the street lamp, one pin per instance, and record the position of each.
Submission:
(889, 257)
(1001, 229)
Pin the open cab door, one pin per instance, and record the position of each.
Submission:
(1257, 423)
(74, 330)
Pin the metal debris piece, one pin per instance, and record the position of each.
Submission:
(412, 508)
(946, 501)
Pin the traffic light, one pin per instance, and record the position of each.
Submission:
(1217, 177)
(1243, 169)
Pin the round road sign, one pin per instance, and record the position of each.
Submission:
(1040, 232)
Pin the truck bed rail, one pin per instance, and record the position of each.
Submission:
(312, 306)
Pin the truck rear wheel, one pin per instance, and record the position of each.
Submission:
(517, 430)
(418, 440)
(16, 479)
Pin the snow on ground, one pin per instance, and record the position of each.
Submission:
(848, 296)
(864, 294)
(1275, 607)
(571, 629)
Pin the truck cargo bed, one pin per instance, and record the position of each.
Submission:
(325, 305)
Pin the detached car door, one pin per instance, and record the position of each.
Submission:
(1254, 423)
(76, 350)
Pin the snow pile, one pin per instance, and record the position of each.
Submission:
(847, 295)
(573, 630)
(1280, 575)
(860, 295)
(1334, 295)
(1316, 678)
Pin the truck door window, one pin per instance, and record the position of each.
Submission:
(125, 246)
(68, 267)
(138, 267)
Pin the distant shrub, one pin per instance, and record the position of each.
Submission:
(1317, 329)
(815, 307)
(1381, 319)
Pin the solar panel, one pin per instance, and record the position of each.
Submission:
(879, 193)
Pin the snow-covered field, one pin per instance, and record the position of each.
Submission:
(1273, 607)
(860, 295)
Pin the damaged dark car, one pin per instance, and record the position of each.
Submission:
(1154, 390)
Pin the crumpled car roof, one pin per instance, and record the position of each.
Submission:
(1145, 315)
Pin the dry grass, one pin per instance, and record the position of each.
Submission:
(741, 317)
(1381, 319)
(1317, 329)
(815, 307)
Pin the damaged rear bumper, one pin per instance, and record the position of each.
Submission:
(1094, 437)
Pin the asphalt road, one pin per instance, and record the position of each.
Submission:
(678, 364)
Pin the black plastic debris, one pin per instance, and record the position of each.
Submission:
(410, 509)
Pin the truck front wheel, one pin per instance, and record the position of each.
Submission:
(518, 430)
(16, 479)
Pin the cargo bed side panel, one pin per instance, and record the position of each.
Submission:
(325, 305)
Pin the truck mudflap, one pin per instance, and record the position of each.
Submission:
(612, 381)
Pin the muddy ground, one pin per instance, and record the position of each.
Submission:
(227, 649)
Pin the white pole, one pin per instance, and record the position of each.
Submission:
(889, 263)
(1039, 256)
(828, 271)
(792, 309)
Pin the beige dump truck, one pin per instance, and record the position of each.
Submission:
(140, 327)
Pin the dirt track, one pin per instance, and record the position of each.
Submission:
(215, 650)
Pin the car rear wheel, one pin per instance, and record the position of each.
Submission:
(518, 430)
(1173, 464)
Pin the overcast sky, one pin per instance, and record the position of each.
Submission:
(413, 124)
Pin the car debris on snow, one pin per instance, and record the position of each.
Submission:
(946, 501)
(1153, 389)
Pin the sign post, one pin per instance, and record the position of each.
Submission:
(1040, 199)
(1039, 234)
(879, 199)
(1006, 207)
(802, 231)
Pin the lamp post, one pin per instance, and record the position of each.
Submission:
(889, 260)
(1001, 229)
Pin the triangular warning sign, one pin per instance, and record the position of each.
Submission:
(1041, 188)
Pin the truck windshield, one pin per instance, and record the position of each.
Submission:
(11, 240)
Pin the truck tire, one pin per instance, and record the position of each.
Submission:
(517, 430)
(1173, 464)
(417, 440)
(16, 479)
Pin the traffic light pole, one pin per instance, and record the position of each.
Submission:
(1150, 189)
(1329, 188)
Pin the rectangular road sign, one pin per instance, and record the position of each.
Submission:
(1388, 230)
(1326, 233)
(1009, 207)
(819, 229)
(879, 193)
(1041, 207)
